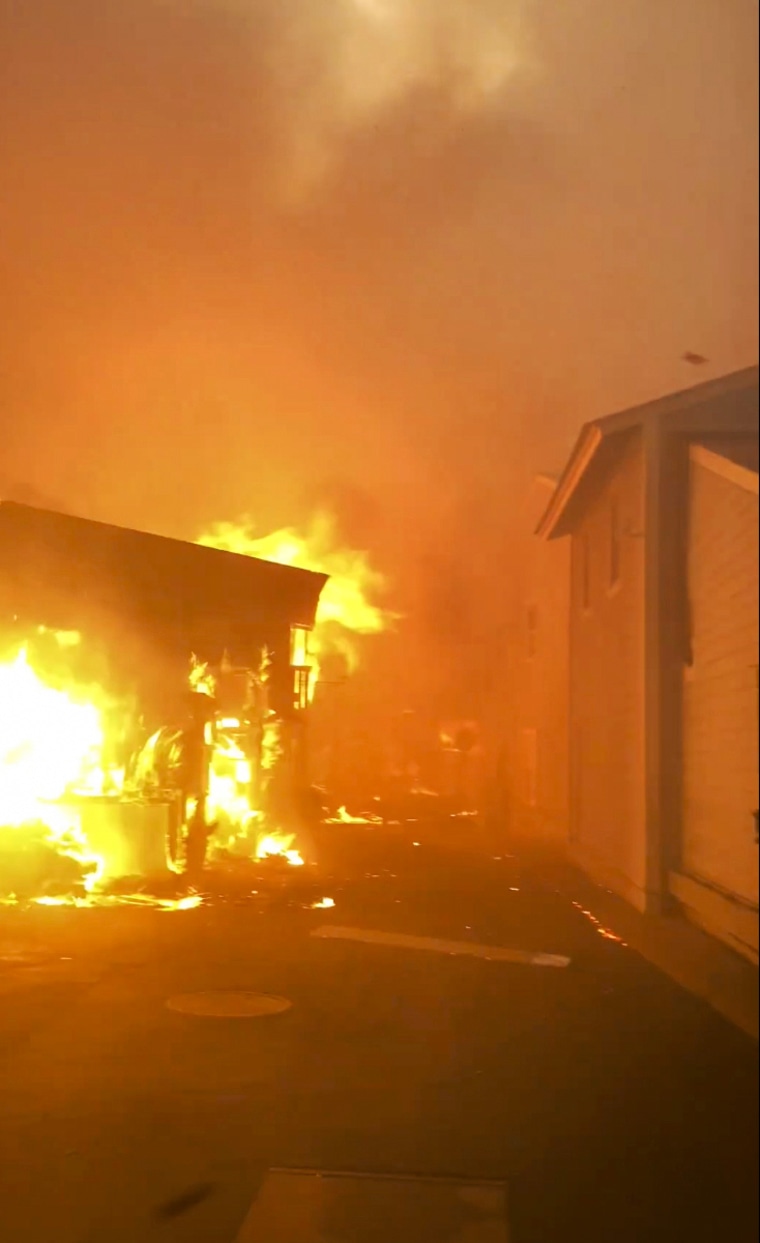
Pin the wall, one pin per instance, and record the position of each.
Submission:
(720, 705)
(607, 824)
(536, 754)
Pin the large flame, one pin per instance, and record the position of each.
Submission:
(51, 747)
(279, 846)
(347, 606)
(53, 744)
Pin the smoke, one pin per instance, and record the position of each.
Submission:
(341, 67)
(336, 67)
(259, 253)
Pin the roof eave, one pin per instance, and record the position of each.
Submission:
(586, 448)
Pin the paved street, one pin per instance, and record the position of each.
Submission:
(565, 1091)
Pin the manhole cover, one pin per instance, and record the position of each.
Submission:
(218, 1005)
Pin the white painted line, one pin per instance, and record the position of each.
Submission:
(459, 949)
(299, 1206)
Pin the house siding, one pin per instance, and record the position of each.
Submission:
(536, 752)
(720, 694)
(607, 685)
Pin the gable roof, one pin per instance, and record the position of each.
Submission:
(729, 404)
(72, 567)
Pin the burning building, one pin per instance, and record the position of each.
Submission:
(187, 670)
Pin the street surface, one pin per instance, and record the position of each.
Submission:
(441, 1092)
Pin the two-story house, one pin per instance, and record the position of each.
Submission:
(659, 508)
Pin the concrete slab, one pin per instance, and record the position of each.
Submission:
(299, 1206)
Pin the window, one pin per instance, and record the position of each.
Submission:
(299, 647)
(531, 618)
(300, 661)
(301, 689)
(615, 545)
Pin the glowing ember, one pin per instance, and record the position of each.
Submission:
(279, 846)
(324, 904)
(346, 607)
(607, 933)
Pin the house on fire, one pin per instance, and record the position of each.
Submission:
(144, 604)
(657, 612)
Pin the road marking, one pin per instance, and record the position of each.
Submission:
(468, 949)
(304, 1206)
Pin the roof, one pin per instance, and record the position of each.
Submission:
(62, 569)
(728, 405)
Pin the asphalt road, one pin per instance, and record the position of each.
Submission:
(594, 1101)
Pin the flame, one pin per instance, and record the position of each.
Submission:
(272, 749)
(51, 747)
(347, 605)
(229, 803)
(189, 902)
(344, 817)
(279, 846)
(201, 681)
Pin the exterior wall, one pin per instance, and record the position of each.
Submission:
(720, 709)
(537, 750)
(607, 685)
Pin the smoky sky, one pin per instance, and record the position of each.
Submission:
(259, 255)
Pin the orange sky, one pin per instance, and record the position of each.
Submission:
(389, 252)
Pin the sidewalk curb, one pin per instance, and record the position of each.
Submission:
(692, 958)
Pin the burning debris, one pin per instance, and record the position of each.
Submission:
(54, 772)
(141, 769)
(279, 846)
(343, 816)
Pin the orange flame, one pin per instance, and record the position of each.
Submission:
(51, 746)
(347, 606)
